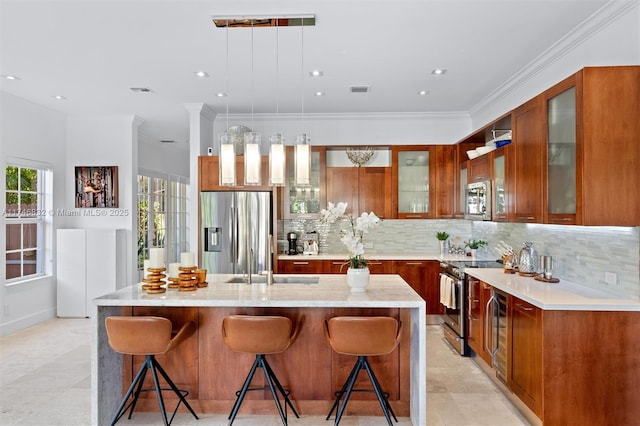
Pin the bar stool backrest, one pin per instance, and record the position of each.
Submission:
(257, 334)
(143, 335)
(366, 336)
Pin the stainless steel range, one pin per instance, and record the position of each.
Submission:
(453, 283)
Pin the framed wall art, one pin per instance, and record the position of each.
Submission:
(96, 186)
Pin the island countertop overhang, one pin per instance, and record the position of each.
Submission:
(331, 290)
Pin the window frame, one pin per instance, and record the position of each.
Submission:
(41, 217)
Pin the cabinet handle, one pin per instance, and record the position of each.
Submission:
(336, 263)
(525, 217)
(300, 263)
(486, 286)
(524, 308)
(413, 216)
(375, 263)
(413, 263)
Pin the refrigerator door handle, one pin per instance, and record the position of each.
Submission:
(234, 235)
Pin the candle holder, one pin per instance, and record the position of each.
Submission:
(174, 282)
(153, 282)
(188, 279)
(202, 278)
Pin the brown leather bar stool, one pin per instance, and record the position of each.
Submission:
(362, 337)
(148, 336)
(260, 335)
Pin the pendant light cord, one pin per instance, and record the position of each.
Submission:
(302, 70)
(227, 77)
(252, 82)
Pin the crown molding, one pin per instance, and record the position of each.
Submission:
(602, 18)
(347, 116)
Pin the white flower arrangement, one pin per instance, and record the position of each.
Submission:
(352, 238)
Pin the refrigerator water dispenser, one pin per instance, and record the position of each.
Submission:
(212, 239)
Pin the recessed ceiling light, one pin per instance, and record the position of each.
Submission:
(221, 95)
(59, 97)
(201, 74)
(316, 73)
(10, 77)
(423, 92)
(319, 93)
(438, 71)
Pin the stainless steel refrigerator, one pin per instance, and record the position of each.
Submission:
(233, 223)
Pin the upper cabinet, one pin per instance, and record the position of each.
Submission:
(446, 181)
(524, 166)
(305, 202)
(591, 157)
(412, 181)
(365, 188)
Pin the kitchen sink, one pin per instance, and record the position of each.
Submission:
(261, 279)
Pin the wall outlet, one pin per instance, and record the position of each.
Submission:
(611, 278)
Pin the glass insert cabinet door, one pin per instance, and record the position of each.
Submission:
(500, 202)
(561, 153)
(305, 201)
(413, 182)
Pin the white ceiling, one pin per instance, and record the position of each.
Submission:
(92, 52)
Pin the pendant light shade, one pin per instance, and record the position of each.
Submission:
(227, 161)
(303, 160)
(252, 159)
(276, 160)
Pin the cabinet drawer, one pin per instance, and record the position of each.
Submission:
(300, 266)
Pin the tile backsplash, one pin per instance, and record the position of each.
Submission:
(581, 254)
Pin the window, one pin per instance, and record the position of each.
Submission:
(26, 222)
(162, 216)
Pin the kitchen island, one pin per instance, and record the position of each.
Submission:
(309, 368)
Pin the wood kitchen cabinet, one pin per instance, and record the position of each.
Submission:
(524, 374)
(300, 266)
(524, 166)
(478, 297)
(375, 266)
(365, 189)
(446, 181)
(479, 168)
(413, 182)
(591, 157)
(422, 276)
(305, 202)
(209, 175)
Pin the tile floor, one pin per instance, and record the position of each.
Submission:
(45, 380)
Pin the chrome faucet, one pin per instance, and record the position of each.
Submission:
(269, 264)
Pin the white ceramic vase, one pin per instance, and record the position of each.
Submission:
(358, 279)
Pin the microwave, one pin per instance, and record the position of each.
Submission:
(478, 201)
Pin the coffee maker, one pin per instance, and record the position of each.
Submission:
(292, 237)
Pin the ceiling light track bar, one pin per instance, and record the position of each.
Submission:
(264, 21)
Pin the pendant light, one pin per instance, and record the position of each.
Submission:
(302, 148)
(227, 158)
(276, 141)
(252, 141)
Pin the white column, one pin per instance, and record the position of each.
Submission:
(200, 138)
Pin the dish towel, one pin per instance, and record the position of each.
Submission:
(447, 292)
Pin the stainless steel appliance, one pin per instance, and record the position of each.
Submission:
(453, 319)
(292, 237)
(454, 316)
(496, 326)
(237, 229)
(478, 201)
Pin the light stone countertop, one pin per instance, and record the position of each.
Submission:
(381, 256)
(564, 295)
(331, 290)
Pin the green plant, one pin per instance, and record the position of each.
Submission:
(442, 235)
(475, 244)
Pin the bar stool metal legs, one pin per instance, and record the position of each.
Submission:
(274, 386)
(361, 364)
(150, 363)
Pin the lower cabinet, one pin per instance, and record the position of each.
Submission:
(423, 277)
(300, 266)
(568, 367)
(375, 266)
(525, 362)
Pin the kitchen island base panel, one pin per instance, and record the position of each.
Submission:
(212, 373)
